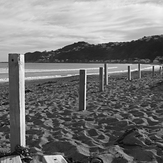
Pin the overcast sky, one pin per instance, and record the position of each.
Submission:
(30, 25)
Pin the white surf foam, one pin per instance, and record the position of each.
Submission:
(61, 70)
(3, 70)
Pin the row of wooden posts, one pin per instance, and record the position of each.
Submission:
(103, 80)
(17, 95)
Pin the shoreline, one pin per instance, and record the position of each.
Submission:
(59, 76)
(49, 74)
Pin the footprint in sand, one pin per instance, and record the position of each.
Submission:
(92, 132)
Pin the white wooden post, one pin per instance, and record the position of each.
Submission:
(139, 70)
(129, 73)
(54, 159)
(101, 79)
(106, 73)
(82, 90)
(17, 100)
(11, 159)
(153, 71)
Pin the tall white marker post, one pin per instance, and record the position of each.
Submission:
(17, 100)
(106, 73)
(139, 70)
(101, 79)
(82, 90)
(129, 73)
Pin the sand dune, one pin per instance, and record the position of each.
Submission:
(123, 124)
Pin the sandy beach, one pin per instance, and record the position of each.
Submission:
(123, 124)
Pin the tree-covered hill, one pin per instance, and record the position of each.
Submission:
(148, 49)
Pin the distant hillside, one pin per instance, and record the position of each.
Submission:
(147, 49)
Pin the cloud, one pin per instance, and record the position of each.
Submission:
(47, 25)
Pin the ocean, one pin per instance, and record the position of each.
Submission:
(35, 71)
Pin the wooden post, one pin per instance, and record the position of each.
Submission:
(153, 71)
(10, 159)
(101, 79)
(82, 90)
(106, 73)
(160, 71)
(54, 159)
(129, 73)
(17, 100)
(139, 70)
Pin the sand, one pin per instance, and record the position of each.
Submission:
(123, 124)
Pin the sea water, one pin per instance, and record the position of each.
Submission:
(35, 71)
